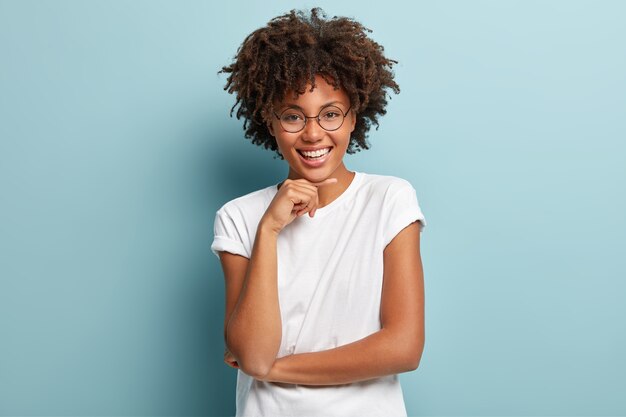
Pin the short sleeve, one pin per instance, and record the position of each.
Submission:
(401, 210)
(227, 236)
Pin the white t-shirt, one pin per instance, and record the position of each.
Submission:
(330, 274)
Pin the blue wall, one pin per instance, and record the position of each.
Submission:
(116, 149)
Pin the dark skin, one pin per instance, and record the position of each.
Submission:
(399, 344)
(313, 135)
(286, 54)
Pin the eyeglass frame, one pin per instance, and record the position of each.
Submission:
(344, 114)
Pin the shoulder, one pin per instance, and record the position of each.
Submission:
(249, 204)
(386, 185)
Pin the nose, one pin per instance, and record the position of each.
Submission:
(312, 131)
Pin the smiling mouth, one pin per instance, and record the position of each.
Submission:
(315, 155)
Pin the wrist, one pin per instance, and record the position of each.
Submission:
(267, 227)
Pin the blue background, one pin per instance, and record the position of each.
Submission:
(116, 149)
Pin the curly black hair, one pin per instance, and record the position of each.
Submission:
(289, 51)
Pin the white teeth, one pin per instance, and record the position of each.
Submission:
(316, 153)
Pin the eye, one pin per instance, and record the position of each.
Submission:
(292, 117)
(331, 115)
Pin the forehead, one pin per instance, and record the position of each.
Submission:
(322, 94)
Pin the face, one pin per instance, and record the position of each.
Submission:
(313, 136)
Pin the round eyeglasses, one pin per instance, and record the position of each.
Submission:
(329, 118)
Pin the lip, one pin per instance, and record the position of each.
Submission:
(318, 162)
(314, 149)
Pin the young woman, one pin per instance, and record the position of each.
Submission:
(324, 280)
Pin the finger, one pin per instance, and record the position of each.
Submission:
(302, 199)
(314, 205)
(305, 200)
(231, 361)
(304, 184)
(311, 206)
(302, 210)
(299, 203)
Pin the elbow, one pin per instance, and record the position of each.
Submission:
(252, 362)
(254, 365)
(412, 362)
(411, 356)
(255, 368)
(254, 359)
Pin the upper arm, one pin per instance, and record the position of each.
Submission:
(402, 304)
(235, 267)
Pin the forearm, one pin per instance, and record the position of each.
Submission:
(376, 355)
(254, 330)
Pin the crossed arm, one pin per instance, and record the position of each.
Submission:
(396, 348)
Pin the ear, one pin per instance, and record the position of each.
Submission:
(270, 128)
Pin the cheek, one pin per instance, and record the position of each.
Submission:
(344, 141)
(284, 142)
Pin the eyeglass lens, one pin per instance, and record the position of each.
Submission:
(330, 118)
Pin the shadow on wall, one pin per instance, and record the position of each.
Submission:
(233, 167)
(239, 167)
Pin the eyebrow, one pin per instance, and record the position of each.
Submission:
(288, 106)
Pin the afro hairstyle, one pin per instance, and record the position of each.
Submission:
(289, 51)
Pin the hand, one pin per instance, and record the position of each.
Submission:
(230, 359)
(293, 199)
